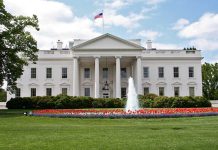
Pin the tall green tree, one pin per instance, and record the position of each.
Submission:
(3, 95)
(210, 80)
(17, 46)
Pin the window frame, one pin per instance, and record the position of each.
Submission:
(105, 73)
(191, 72)
(48, 74)
(89, 91)
(161, 72)
(64, 73)
(17, 92)
(48, 93)
(190, 94)
(32, 92)
(33, 73)
(176, 89)
(123, 72)
(87, 75)
(175, 74)
(146, 72)
(147, 90)
(159, 91)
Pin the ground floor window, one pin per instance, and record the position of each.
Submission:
(33, 92)
(161, 91)
(123, 92)
(146, 90)
(64, 91)
(17, 92)
(48, 91)
(191, 91)
(87, 92)
(176, 91)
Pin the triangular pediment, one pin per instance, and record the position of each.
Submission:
(108, 41)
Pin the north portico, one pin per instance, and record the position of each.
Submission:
(112, 60)
(100, 67)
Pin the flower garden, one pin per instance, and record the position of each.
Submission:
(120, 113)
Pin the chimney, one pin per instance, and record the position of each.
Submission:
(59, 45)
(149, 44)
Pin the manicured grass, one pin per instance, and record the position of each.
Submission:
(24, 132)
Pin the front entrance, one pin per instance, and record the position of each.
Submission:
(105, 94)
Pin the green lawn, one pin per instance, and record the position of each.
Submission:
(21, 132)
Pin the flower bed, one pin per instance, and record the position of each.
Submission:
(120, 113)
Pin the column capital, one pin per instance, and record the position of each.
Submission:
(118, 57)
(139, 57)
(75, 57)
(97, 56)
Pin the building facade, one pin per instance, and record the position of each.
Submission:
(100, 67)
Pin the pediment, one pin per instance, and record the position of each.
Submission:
(177, 83)
(107, 41)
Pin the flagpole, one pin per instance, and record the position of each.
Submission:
(103, 21)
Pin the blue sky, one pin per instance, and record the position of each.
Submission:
(170, 24)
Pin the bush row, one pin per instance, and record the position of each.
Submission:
(63, 102)
(72, 102)
(153, 101)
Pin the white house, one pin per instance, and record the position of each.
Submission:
(100, 67)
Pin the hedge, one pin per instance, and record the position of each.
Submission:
(72, 102)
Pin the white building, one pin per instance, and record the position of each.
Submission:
(100, 67)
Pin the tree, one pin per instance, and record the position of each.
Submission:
(3, 95)
(210, 80)
(17, 46)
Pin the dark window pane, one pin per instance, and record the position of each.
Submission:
(87, 73)
(33, 73)
(146, 72)
(161, 72)
(123, 73)
(48, 72)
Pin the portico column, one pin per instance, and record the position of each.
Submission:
(118, 82)
(96, 77)
(75, 77)
(139, 74)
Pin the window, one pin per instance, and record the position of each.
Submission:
(176, 91)
(64, 91)
(87, 92)
(105, 73)
(48, 91)
(123, 73)
(176, 72)
(123, 92)
(161, 72)
(146, 90)
(87, 73)
(161, 91)
(48, 72)
(191, 91)
(17, 92)
(33, 73)
(146, 72)
(191, 72)
(64, 73)
(33, 92)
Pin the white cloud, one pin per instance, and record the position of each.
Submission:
(166, 46)
(154, 2)
(56, 21)
(180, 24)
(203, 33)
(149, 34)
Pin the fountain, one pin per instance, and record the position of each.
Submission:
(132, 103)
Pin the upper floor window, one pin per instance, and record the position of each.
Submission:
(17, 92)
(48, 72)
(161, 91)
(146, 90)
(161, 72)
(86, 72)
(176, 72)
(64, 72)
(123, 73)
(191, 72)
(87, 92)
(105, 73)
(33, 73)
(146, 72)
(176, 91)
(48, 91)
(33, 92)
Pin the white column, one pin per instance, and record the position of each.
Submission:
(96, 77)
(139, 75)
(75, 77)
(118, 82)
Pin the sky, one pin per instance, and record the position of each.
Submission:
(170, 24)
